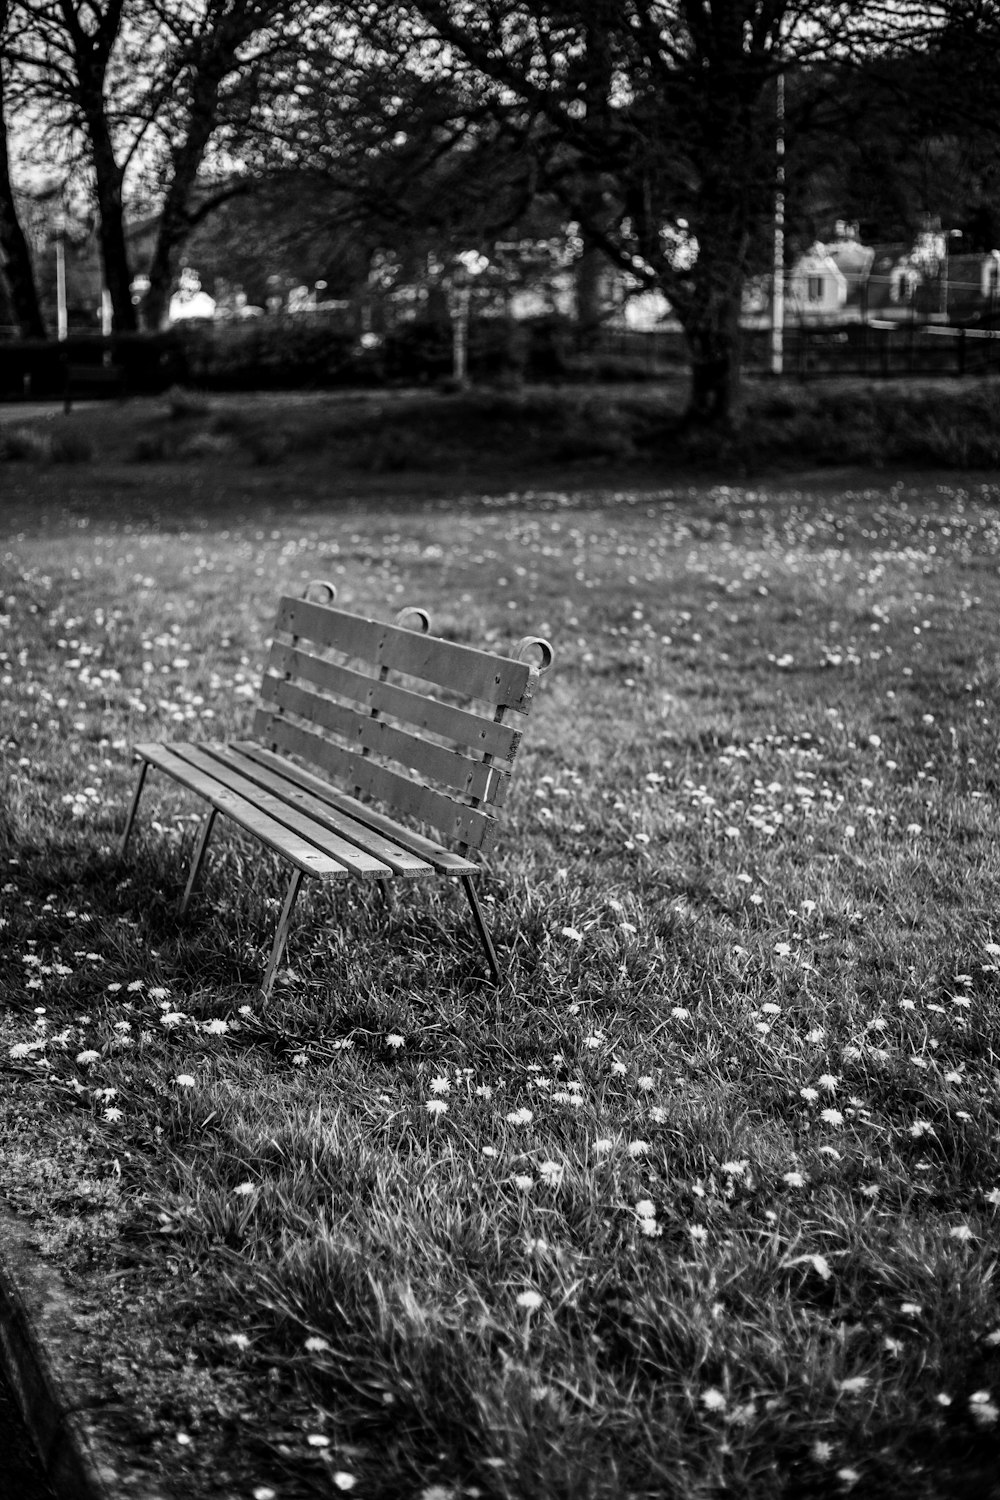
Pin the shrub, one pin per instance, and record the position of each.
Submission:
(25, 444)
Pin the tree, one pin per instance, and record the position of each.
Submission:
(132, 91)
(15, 257)
(653, 123)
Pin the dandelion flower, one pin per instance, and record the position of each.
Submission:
(574, 935)
(317, 1440)
(523, 1181)
(961, 1232)
(436, 1107)
(343, 1480)
(832, 1116)
(520, 1117)
(853, 1384)
(794, 1179)
(530, 1300)
(240, 1340)
(244, 1189)
(440, 1085)
(646, 1208)
(713, 1399)
(394, 1039)
(827, 1081)
(602, 1145)
(113, 1115)
(809, 1095)
(216, 1027)
(820, 1452)
(551, 1173)
(680, 1013)
(185, 1080)
(316, 1345)
(636, 1149)
(88, 1057)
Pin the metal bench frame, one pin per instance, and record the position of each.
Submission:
(381, 712)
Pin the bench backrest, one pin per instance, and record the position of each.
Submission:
(405, 717)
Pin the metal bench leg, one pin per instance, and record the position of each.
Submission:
(144, 767)
(484, 932)
(281, 934)
(196, 863)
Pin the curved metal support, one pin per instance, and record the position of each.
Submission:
(422, 616)
(321, 583)
(535, 642)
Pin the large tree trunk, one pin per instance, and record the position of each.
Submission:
(114, 251)
(18, 271)
(715, 373)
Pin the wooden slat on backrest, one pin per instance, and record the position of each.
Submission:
(476, 674)
(468, 825)
(470, 778)
(445, 719)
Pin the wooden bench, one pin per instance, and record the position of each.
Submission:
(92, 380)
(352, 712)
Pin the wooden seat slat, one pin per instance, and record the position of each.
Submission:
(480, 734)
(298, 851)
(461, 669)
(465, 824)
(471, 778)
(359, 861)
(445, 861)
(399, 859)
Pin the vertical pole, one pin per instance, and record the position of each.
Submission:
(196, 862)
(778, 263)
(62, 318)
(144, 767)
(281, 933)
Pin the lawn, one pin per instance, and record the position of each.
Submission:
(704, 1199)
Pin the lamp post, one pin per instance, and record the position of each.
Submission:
(778, 262)
(62, 320)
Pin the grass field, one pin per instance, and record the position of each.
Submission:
(704, 1200)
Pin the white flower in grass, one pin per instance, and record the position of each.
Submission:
(265, 1492)
(680, 1013)
(831, 1116)
(992, 1340)
(436, 1107)
(523, 1181)
(88, 1057)
(574, 935)
(993, 949)
(530, 1300)
(317, 1440)
(185, 1080)
(645, 1083)
(519, 1117)
(658, 1114)
(113, 1115)
(993, 1197)
(853, 1384)
(483, 1091)
(619, 1068)
(240, 1340)
(172, 1018)
(820, 1452)
(601, 1145)
(782, 950)
(911, 1309)
(551, 1173)
(636, 1149)
(489, 1151)
(713, 1399)
(943, 1399)
(770, 1009)
(794, 1179)
(216, 1027)
(440, 1085)
(244, 1189)
(961, 1232)
(983, 1409)
(394, 1039)
(113, 989)
(921, 1127)
(828, 1081)
(650, 1227)
(300, 1059)
(848, 1477)
(646, 1208)
(316, 1345)
(698, 1233)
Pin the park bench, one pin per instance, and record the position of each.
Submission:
(83, 380)
(352, 713)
